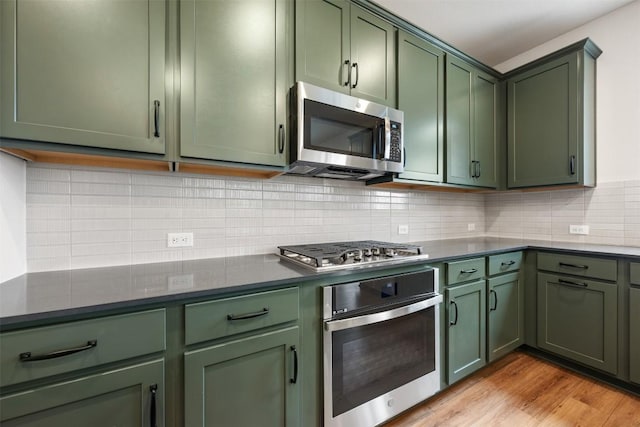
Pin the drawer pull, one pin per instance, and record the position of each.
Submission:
(28, 357)
(583, 267)
(508, 264)
(263, 312)
(571, 284)
(295, 365)
(152, 410)
(469, 271)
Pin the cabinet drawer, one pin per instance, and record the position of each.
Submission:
(504, 263)
(635, 273)
(215, 319)
(463, 271)
(597, 268)
(98, 341)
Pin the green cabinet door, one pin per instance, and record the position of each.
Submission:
(466, 333)
(130, 396)
(421, 98)
(373, 58)
(505, 308)
(248, 382)
(87, 74)
(323, 45)
(634, 335)
(577, 319)
(234, 80)
(347, 49)
(473, 133)
(487, 139)
(551, 119)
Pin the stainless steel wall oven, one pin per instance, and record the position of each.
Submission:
(381, 347)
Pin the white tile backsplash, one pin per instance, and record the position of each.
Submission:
(79, 217)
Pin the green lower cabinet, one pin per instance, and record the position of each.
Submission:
(634, 335)
(131, 396)
(249, 382)
(466, 332)
(577, 319)
(506, 315)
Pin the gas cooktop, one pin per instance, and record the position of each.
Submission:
(344, 255)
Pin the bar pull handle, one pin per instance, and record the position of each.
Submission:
(281, 139)
(508, 263)
(156, 118)
(28, 357)
(346, 63)
(404, 157)
(455, 319)
(572, 165)
(355, 65)
(583, 267)
(571, 284)
(469, 271)
(262, 312)
(478, 171)
(495, 300)
(473, 168)
(153, 389)
(295, 365)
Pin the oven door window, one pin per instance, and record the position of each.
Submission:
(370, 360)
(336, 130)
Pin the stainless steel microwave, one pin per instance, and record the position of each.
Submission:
(334, 135)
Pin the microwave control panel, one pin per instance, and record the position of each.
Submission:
(395, 152)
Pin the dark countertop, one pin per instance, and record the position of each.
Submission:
(53, 294)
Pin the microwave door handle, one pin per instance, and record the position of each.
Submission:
(368, 319)
(380, 143)
(387, 138)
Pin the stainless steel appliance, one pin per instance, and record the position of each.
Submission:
(339, 136)
(381, 347)
(345, 255)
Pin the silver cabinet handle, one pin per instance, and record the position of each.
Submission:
(346, 63)
(355, 65)
(156, 118)
(368, 319)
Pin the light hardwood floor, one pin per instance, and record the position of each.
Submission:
(521, 390)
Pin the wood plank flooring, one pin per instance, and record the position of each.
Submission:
(521, 390)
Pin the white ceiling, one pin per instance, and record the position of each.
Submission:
(493, 31)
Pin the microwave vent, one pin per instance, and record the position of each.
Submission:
(302, 169)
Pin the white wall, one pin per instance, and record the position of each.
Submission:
(618, 88)
(13, 213)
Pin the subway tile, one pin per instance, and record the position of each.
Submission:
(48, 187)
(97, 176)
(47, 173)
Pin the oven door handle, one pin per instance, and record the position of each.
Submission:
(368, 319)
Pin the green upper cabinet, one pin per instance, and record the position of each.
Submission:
(421, 97)
(347, 49)
(473, 125)
(85, 74)
(551, 119)
(234, 61)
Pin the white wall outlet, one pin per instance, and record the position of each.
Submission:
(179, 240)
(471, 227)
(403, 229)
(578, 229)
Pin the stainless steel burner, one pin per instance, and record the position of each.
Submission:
(341, 255)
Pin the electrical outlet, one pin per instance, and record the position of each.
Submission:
(403, 229)
(179, 240)
(578, 229)
(471, 227)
